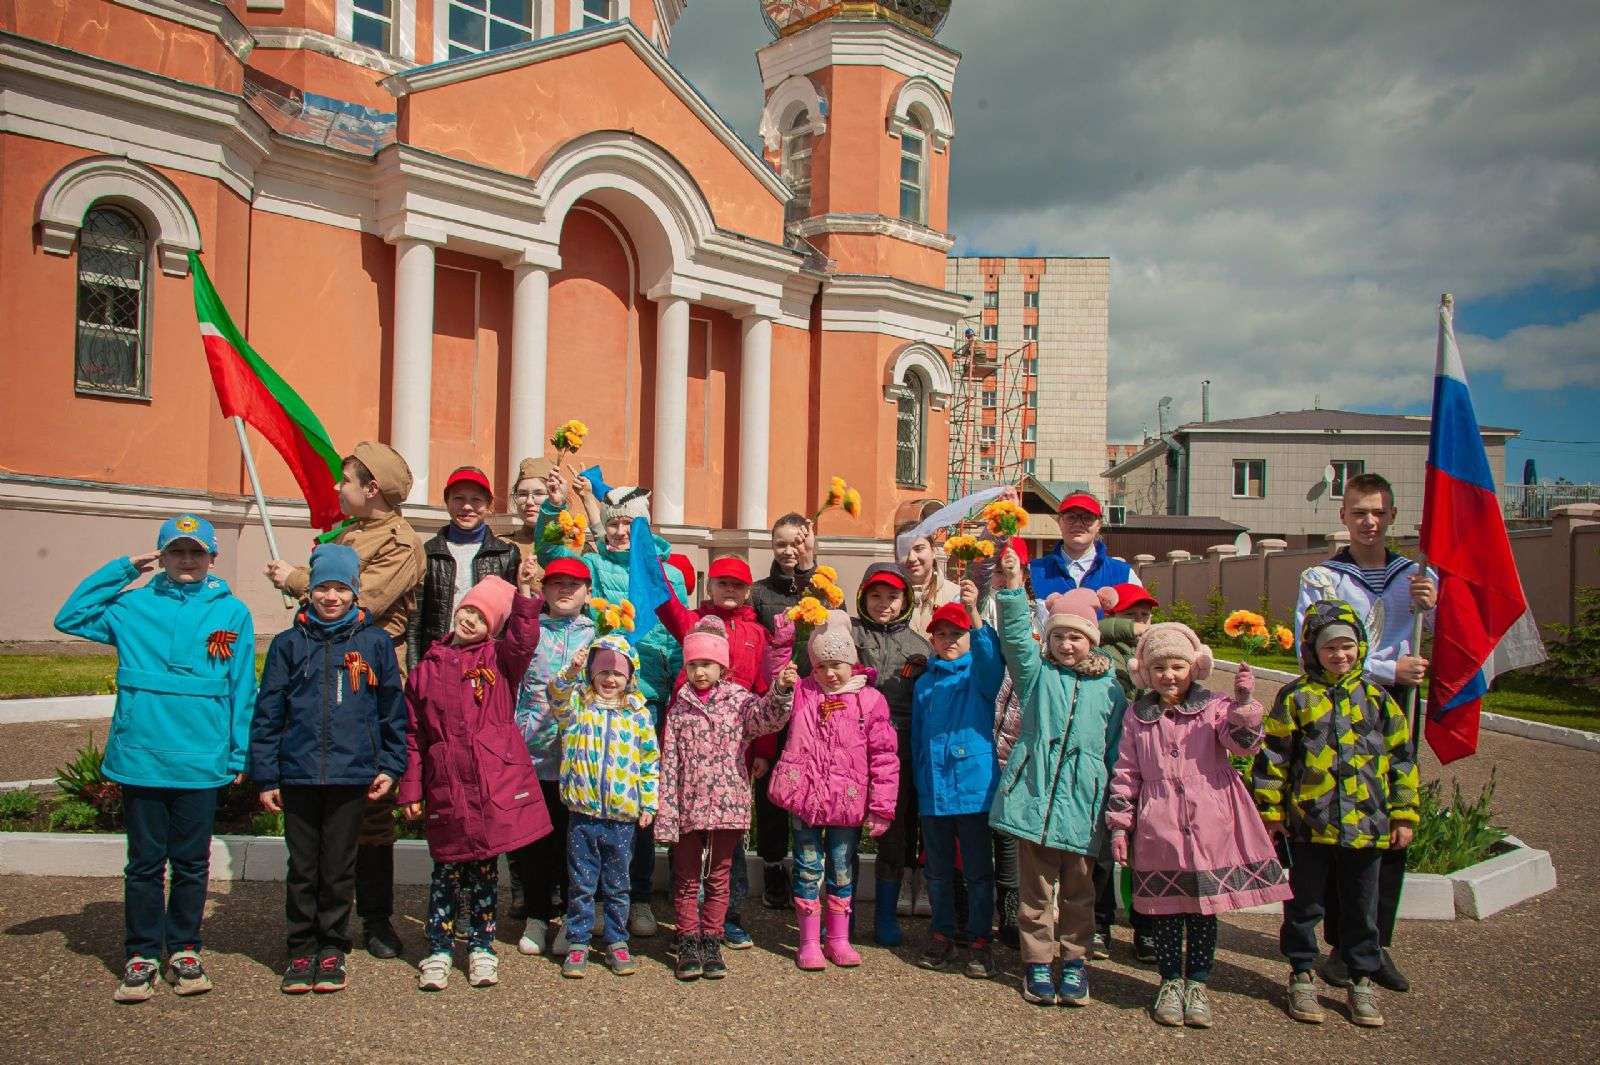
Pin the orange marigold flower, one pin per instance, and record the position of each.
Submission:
(1284, 637)
(852, 502)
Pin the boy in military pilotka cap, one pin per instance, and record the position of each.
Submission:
(376, 481)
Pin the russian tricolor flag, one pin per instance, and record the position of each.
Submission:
(1481, 607)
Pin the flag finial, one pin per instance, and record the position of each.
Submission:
(1447, 300)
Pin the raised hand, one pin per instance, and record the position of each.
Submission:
(1007, 571)
(145, 562)
(1244, 682)
(787, 676)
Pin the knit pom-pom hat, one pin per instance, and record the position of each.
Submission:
(833, 641)
(707, 642)
(627, 501)
(1078, 610)
(1169, 639)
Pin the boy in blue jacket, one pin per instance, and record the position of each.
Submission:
(186, 684)
(329, 735)
(953, 760)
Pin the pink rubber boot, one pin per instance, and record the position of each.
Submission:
(838, 949)
(808, 917)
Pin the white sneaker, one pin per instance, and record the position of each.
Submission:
(433, 973)
(534, 934)
(922, 907)
(641, 919)
(908, 892)
(483, 969)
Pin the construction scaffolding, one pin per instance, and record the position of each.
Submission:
(986, 415)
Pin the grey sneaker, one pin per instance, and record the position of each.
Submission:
(641, 920)
(1303, 1004)
(433, 973)
(620, 959)
(535, 934)
(186, 975)
(138, 980)
(483, 969)
(1169, 1003)
(1196, 1006)
(560, 946)
(1363, 998)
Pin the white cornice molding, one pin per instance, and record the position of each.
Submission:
(874, 225)
(59, 95)
(932, 363)
(874, 303)
(310, 40)
(207, 15)
(158, 203)
(472, 208)
(794, 94)
(837, 43)
(420, 79)
(921, 96)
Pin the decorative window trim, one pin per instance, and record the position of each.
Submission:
(792, 96)
(167, 217)
(404, 22)
(544, 25)
(921, 97)
(935, 372)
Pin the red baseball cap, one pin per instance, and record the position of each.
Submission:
(1080, 501)
(1019, 547)
(468, 475)
(951, 614)
(885, 576)
(733, 568)
(1130, 596)
(568, 567)
(682, 564)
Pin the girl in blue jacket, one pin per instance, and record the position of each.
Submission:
(186, 686)
(329, 735)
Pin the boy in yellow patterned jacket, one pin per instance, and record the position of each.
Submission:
(609, 761)
(1337, 781)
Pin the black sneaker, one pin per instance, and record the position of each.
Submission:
(1389, 974)
(940, 952)
(688, 951)
(380, 939)
(297, 978)
(330, 971)
(711, 965)
(1100, 945)
(1144, 948)
(775, 891)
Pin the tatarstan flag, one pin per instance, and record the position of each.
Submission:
(251, 390)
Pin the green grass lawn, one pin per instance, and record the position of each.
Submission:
(46, 676)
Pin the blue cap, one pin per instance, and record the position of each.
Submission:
(336, 562)
(187, 527)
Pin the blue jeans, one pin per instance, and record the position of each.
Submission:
(829, 848)
(165, 825)
(598, 852)
(940, 836)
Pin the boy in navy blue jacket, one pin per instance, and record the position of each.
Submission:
(329, 734)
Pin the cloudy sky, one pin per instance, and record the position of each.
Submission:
(1284, 190)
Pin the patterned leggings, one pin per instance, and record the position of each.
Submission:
(477, 884)
(1168, 930)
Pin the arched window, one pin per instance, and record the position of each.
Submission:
(913, 172)
(797, 167)
(911, 412)
(113, 263)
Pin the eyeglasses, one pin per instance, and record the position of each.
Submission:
(1078, 517)
(524, 497)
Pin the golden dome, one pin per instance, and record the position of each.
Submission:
(922, 16)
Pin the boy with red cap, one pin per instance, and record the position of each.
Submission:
(953, 761)
(1080, 559)
(463, 553)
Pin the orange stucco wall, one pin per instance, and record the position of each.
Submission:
(124, 35)
(310, 14)
(471, 367)
(791, 468)
(551, 103)
(50, 429)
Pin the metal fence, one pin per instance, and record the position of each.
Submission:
(1536, 501)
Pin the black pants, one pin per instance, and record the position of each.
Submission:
(900, 847)
(166, 826)
(320, 825)
(1105, 892)
(1356, 871)
(772, 822)
(542, 864)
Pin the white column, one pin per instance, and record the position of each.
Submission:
(672, 409)
(530, 338)
(755, 418)
(412, 383)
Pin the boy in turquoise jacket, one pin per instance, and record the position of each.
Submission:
(186, 690)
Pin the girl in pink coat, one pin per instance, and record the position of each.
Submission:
(704, 797)
(1199, 848)
(839, 767)
(468, 768)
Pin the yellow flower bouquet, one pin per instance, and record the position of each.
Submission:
(569, 438)
(964, 549)
(569, 528)
(1004, 518)
(823, 583)
(1249, 630)
(808, 615)
(840, 495)
(611, 617)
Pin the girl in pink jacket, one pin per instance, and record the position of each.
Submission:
(704, 797)
(1199, 847)
(839, 767)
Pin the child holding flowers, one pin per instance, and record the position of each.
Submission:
(839, 768)
(1198, 846)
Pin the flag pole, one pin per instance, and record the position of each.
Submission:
(1413, 710)
(261, 500)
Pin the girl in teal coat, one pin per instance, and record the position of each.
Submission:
(186, 690)
(1053, 791)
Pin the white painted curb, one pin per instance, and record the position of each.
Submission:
(1485, 889)
(1425, 897)
(65, 708)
